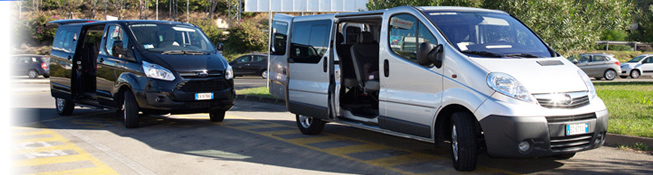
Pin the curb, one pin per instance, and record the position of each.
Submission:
(610, 140)
(261, 99)
(617, 139)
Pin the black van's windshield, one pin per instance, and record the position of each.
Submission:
(171, 39)
(487, 34)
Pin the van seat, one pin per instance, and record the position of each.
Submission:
(366, 52)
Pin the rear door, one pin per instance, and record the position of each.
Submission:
(308, 64)
(61, 63)
(279, 55)
(647, 66)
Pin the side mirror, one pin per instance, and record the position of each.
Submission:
(575, 61)
(219, 46)
(430, 54)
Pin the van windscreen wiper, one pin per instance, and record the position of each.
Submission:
(522, 55)
(174, 52)
(483, 53)
(184, 52)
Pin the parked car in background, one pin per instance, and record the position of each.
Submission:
(598, 65)
(638, 66)
(251, 64)
(31, 65)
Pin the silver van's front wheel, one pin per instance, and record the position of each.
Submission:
(463, 141)
(309, 125)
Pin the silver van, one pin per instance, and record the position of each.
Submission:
(477, 79)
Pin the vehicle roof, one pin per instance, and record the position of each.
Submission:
(83, 22)
(457, 9)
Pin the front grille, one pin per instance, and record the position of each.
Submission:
(201, 74)
(571, 143)
(203, 85)
(576, 102)
(561, 119)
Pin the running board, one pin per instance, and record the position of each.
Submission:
(384, 131)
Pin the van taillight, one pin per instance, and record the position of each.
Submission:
(44, 66)
(617, 63)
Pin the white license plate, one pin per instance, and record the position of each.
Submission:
(580, 128)
(203, 96)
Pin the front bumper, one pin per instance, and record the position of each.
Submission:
(544, 129)
(169, 97)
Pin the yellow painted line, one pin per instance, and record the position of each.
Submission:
(256, 126)
(63, 118)
(82, 155)
(364, 147)
(42, 132)
(82, 171)
(280, 132)
(401, 160)
(355, 148)
(45, 149)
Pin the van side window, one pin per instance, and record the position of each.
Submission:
(309, 41)
(115, 34)
(406, 35)
(280, 35)
(65, 40)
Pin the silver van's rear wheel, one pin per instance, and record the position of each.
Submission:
(464, 145)
(309, 125)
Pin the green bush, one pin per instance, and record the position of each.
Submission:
(245, 37)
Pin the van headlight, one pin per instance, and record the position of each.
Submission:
(157, 72)
(509, 86)
(588, 83)
(229, 73)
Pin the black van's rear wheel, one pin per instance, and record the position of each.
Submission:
(64, 107)
(129, 110)
(309, 125)
(464, 145)
(217, 115)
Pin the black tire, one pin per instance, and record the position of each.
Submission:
(63, 106)
(217, 116)
(309, 125)
(634, 74)
(565, 156)
(598, 78)
(464, 146)
(32, 74)
(129, 110)
(610, 75)
(264, 74)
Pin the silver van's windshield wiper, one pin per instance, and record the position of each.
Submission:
(174, 52)
(483, 53)
(522, 55)
(192, 52)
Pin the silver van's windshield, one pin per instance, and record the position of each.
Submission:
(171, 39)
(486, 34)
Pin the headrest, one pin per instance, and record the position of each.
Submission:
(366, 37)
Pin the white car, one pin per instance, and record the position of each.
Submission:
(638, 66)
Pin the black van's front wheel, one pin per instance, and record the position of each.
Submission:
(463, 141)
(217, 116)
(64, 107)
(129, 110)
(309, 125)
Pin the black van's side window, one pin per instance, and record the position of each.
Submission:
(309, 41)
(280, 35)
(65, 40)
(406, 35)
(115, 34)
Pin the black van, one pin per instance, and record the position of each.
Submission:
(156, 67)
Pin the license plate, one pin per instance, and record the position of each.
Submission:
(580, 128)
(203, 96)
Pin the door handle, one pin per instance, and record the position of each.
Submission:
(101, 60)
(69, 57)
(386, 68)
(324, 65)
